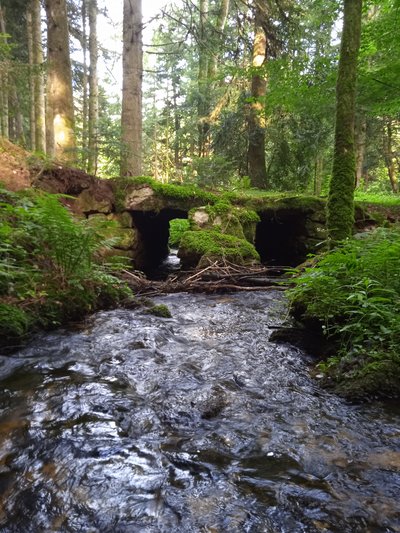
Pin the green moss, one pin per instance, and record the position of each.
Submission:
(165, 190)
(247, 216)
(177, 228)
(213, 243)
(160, 310)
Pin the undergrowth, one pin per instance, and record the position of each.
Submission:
(50, 265)
(354, 293)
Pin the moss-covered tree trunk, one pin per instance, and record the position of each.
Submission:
(59, 95)
(256, 120)
(340, 216)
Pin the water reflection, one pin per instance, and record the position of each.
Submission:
(190, 424)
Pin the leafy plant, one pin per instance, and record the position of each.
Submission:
(50, 264)
(353, 292)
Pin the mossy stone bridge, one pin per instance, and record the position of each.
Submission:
(280, 230)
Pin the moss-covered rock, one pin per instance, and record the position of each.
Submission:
(160, 310)
(202, 245)
(147, 194)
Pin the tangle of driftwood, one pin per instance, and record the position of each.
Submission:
(216, 277)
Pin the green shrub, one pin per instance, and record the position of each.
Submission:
(14, 322)
(354, 293)
(50, 264)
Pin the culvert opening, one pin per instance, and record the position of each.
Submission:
(281, 237)
(154, 228)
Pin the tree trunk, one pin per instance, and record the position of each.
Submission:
(340, 215)
(85, 81)
(177, 126)
(360, 140)
(256, 120)
(4, 111)
(16, 122)
(202, 103)
(93, 88)
(219, 29)
(39, 102)
(59, 97)
(319, 167)
(132, 64)
(32, 116)
(389, 155)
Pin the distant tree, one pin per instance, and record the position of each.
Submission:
(132, 65)
(93, 89)
(340, 216)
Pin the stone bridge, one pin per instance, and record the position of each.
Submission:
(279, 230)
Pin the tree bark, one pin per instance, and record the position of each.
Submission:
(39, 101)
(93, 88)
(59, 96)
(256, 120)
(340, 214)
(132, 64)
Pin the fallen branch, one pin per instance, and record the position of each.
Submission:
(216, 277)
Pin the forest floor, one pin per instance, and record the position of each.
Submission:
(15, 163)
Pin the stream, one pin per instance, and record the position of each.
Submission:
(197, 423)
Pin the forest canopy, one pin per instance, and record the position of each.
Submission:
(221, 93)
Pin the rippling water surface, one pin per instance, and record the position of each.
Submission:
(190, 424)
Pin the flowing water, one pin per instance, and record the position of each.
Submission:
(190, 424)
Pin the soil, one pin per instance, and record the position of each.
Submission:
(14, 167)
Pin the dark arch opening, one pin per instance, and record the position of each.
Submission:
(280, 237)
(154, 233)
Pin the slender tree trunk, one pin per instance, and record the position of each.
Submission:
(219, 29)
(4, 111)
(32, 117)
(85, 82)
(60, 98)
(340, 215)
(256, 121)
(17, 133)
(177, 125)
(131, 117)
(93, 88)
(360, 140)
(37, 51)
(202, 103)
(389, 155)
(319, 167)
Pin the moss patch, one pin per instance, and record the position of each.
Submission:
(182, 194)
(160, 310)
(210, 243)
